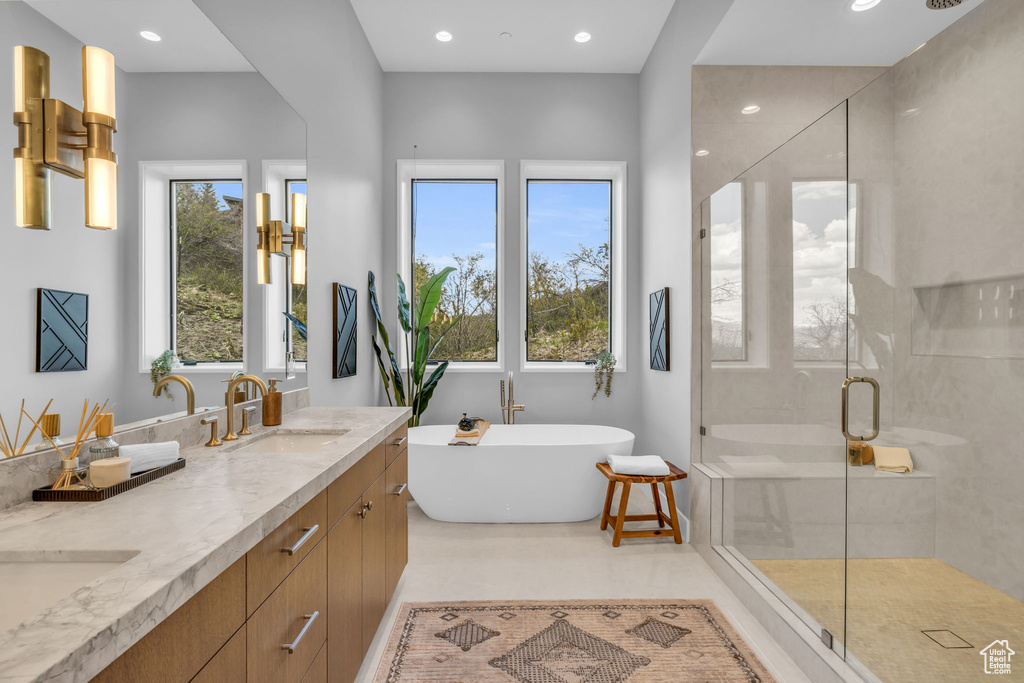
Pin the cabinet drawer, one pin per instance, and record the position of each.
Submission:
(397, 442)
(396, 490)
(318, 669)
(347, 489)
(396, 555)
(278, 554)
(182, 643)
(228, 666)
(285, 619)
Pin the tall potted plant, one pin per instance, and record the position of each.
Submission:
(412, 387)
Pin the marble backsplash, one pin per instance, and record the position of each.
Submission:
(21, 475)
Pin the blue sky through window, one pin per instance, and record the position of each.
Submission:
(562, 215)
(457, 217)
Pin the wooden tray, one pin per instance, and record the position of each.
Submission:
(47, 494)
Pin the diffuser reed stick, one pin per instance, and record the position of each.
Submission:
(86, 426)
(10, 447)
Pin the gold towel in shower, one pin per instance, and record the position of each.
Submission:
(891, 459)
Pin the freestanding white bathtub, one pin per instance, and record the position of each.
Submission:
(518, 474)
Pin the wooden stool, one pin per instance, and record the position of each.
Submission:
(627, 481)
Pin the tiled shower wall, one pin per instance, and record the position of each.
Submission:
(959, 218)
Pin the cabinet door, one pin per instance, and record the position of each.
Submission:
(345, 597)
(228, 666)
(397, 555)
(296, 614)
(318, 669)
(374, 579)
(397, 490)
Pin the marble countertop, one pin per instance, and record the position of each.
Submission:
(186, 527)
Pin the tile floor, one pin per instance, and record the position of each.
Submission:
(890, 602)
(560, 561)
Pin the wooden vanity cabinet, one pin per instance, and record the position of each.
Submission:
(340, 557)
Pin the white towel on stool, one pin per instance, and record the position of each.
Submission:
(147, 456)
(640, 465)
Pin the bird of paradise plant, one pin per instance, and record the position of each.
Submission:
(412, 388)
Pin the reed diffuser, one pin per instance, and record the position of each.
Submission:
(12, 448)
(70, 475)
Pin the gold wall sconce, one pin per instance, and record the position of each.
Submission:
(273, 238)
(54, 136)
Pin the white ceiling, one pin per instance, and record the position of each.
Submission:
(190, 41)
(825, 32)
(401, 33)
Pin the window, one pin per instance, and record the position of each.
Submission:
(728, 284)
(820, 253)
(207, 270)
(573, 263)
(568, 272)
(454, 223)
(296, 294)
(450, 214)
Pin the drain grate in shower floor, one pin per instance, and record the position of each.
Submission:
(947, 639)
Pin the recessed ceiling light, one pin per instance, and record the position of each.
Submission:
(750, 109)
(582, 37)
(443, 36)
(149, 35)
(701, 153)
(861, 5)
(505, 35)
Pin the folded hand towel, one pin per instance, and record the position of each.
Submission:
(640, 465)
(890, 459)
(147, 456)
(467, 434)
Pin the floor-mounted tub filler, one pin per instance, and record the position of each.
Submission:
(518, 474)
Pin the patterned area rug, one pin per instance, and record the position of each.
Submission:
(577, 641)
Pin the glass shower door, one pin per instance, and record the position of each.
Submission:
(775, 349)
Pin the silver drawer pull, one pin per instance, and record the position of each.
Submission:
(400, 490)
(310, 618)
(310, 531)
(400, 441)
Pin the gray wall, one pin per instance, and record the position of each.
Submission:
(69, 256)
(314, 52)
(192, 117)
(665, 253)
(563, 117)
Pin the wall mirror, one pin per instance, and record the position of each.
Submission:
(199, 135)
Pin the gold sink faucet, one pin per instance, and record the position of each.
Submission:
(190, 393)
(232, 385)
(508, 402)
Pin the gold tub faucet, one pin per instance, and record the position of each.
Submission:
(190, 393)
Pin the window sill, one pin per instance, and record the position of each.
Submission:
(491, 366)
(564, 366)
(205, 369)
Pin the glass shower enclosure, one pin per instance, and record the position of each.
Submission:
(837, 310)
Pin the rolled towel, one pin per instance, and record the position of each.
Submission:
(639, 465)
(147, 456)
(891, 459)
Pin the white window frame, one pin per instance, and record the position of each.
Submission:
(614, 171)
(155, 255)
(275, 174)
(439, 169)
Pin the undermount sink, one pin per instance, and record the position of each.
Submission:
(35, 580)
(292, 442)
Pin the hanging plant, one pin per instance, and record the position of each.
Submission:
(604, 371)
(160, 368)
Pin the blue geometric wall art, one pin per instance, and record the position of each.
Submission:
(659, 330)
(344, 331)
(62, 331)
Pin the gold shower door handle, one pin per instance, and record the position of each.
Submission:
(846, 408)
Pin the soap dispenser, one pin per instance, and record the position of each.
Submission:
(272, 405)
